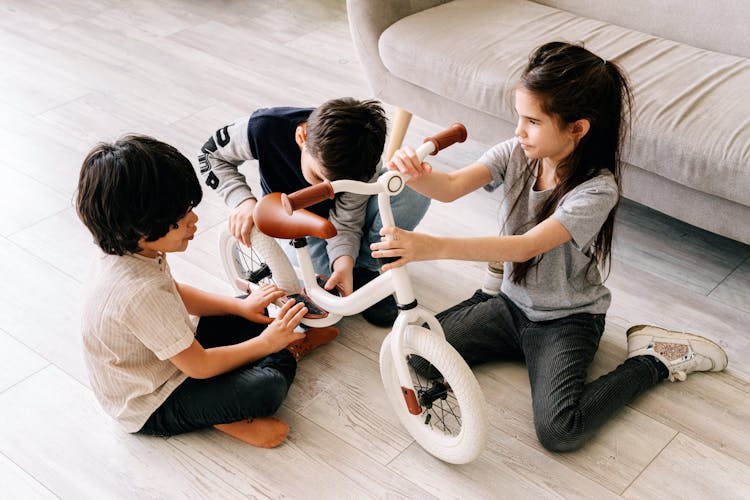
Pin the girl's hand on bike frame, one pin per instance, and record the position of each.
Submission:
(405, 160)
(254, 305)
(407, 245)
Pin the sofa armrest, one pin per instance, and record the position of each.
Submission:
(367, 20)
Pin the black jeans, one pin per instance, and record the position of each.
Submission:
(567, 410)
(254, 390)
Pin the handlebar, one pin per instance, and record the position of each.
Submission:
(325, 191)
(307, 197)
(453, 134)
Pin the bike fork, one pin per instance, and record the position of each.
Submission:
(404, 319)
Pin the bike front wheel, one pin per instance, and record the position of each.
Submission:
(451, 420)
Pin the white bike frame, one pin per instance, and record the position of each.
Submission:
(453, 397)
(395, 280)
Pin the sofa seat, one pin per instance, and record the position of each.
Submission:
(691, 116)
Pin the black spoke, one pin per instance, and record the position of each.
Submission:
(251, 267)
(440, 408)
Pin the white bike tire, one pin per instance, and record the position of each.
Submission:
(472, 437)
(235, 258)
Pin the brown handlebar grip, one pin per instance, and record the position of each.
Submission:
(307, 196)
(453, 134)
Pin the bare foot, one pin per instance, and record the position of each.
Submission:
(265, 432)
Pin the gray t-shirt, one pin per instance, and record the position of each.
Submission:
(560, 284)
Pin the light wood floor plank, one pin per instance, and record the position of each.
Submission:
(735, 290)
(613, 457)
(40, 308)
(36, 93)
(341, 391)
(18, 484)
(61, 241)
(143, 20)
(82, 71)
(507, 469)
(690, 470)
(677, 252)
(55, 165)
(691, 408)
(38, 15)
(312, 463)
(639, 297)
(25, 201)
(56, 432)
(711, 408)
(17, 360)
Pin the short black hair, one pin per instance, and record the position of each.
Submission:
(347, 137)
(137, 187)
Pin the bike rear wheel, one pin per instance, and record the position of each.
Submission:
(265, 262)
(452, 421)
(262, 262)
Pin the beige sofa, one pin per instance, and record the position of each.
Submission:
(689, 155)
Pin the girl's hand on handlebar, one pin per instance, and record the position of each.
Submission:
(254, 305)
(407, 245)
(405, 160)
(241, 221)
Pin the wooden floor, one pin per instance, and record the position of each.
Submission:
(79, 71)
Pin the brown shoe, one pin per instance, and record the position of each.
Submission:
(314, 338)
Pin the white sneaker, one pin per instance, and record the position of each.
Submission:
(493, 278)
(681, 353)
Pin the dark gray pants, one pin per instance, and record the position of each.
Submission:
(567, 410)
(255, 390)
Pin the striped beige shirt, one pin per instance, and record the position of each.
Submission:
(133, 321)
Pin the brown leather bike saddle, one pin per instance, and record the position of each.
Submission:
(273, 219)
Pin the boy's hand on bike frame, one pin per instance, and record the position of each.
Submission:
(254, 305)
(280, 333)
(342, 275)
(241, 221)
(405, 160)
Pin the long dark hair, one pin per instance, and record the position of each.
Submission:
(571, 84)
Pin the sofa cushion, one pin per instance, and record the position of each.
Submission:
(691, 121)
(718, 25)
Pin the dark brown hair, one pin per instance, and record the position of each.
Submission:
(571, 84)
(347, 137)
(136, 187)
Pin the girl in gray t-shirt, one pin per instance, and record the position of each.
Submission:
(560, 178)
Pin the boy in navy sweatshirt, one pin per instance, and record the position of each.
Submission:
(297, 147)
